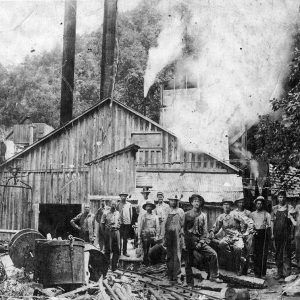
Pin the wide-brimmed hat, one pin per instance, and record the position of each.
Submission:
(123, 194)
(160, 194)
(282, 193)
(174, 198)
(227, 200)
(149, 202)
(196, 196)
(259, 198)
(239, 199)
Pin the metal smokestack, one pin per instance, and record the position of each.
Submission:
(108, 48)
(68, 60)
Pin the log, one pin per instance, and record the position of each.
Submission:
(246, 281)
(177, 297)
(111, 292)
(79, 290)
(211, 286)
(155, 294)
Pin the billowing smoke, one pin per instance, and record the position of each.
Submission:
(241, 52)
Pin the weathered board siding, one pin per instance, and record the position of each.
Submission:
(114, 174)
(55, 166)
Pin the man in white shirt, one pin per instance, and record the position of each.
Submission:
(162, 210)
(125, 209)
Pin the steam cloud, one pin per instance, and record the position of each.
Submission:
(241, 55)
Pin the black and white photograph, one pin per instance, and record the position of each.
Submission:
(150, 149)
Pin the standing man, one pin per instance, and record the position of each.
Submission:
(262, 235)
(85, 224)
(195, 235)
(162, 211)
(98, 216)
(296, 223)
(244, 213)
(110, 223)
(281, 227)
(149, 230)
(174, 238)
(231, 224)
(125, 210)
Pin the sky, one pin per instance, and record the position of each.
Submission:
(38, 25)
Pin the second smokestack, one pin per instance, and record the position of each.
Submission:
(68, 61)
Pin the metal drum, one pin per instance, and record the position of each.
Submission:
(21, 249)
(60, 263)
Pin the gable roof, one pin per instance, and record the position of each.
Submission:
(91, 110)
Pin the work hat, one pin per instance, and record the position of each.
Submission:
(145, 190)
(259, 198)
(123, 194)
(174, 198)
(196, 196)
(227, 200)
(160, 194)
(239, 199)
(148, 202)
(282, 193)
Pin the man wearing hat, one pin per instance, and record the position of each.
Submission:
(195, 235)
(125, 210)
(281, 226)
(174, 238)
(162, 210)
(148, 230)
(262, 226)
(110, 222)
(244, 213)
(231, 224)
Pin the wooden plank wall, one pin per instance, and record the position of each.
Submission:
(55, 167)
(113, 175)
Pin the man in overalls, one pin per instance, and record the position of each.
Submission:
(261, 237)
(148, 230)
(174, 239)
(231, 224)
(111, 224)
(281, 233)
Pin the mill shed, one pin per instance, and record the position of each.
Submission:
(107, 148)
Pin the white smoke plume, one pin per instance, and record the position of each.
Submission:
(243, 49)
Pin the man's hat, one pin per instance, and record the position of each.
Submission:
(149, 202)
(196, 196)
(259, 198)
(227, 200)
(160, 194)
(239, 199)
(282, 193)
(174, 198)
(145, 190)
(123, 194)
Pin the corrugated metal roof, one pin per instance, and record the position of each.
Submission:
(213, 187)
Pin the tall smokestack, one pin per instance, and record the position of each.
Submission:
(108, 48)
(68, 60)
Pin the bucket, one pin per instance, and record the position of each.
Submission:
(60, 263)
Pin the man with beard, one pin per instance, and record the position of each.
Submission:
(111, 224)
(281, 227)
(231, 224)
(261, 240)
(174, 239)
(195, 234)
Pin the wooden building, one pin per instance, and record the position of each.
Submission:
(109, 148)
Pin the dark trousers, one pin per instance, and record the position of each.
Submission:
(124, 232)
(101, 238)
(112, 245)
(85, 236)
(261, 241)
(174, 248)
(297, 242)
(283, 254)
(210, 256)
(147, 244)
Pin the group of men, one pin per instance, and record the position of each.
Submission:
(238, 234)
